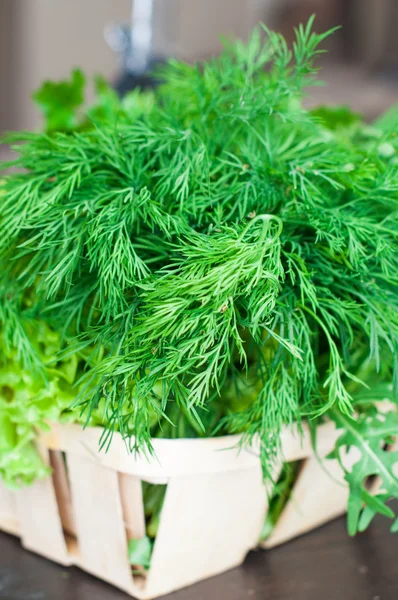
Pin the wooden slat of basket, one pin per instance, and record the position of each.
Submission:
(9, 521)
(62, 492)
(208, 524)
(320, 494)
(132, 506)
(101, 534)
(40, 524)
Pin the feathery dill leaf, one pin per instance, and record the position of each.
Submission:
(211, 236)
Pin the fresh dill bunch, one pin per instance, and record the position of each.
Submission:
(211, 236)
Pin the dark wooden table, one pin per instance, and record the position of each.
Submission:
(323, 565)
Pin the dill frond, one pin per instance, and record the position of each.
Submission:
(207, 236)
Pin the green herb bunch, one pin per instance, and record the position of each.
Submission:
(228, 257)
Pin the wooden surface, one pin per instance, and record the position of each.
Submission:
(323, 564)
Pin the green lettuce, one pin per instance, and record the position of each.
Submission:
(28, 401)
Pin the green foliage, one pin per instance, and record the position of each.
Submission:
(27, 401)
(280, 496)
(211, 236)
(370, 434)
(153, 495)
(59, 102)
(339, 118)
(140, 552)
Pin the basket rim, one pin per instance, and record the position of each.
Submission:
(183, 456)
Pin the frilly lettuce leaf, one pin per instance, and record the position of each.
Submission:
(27, 401)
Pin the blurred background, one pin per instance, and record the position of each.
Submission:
(45, 39)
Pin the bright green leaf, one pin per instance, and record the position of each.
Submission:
(369, 434)
(60, 101)
(140, 552)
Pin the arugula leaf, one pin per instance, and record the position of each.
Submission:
(375, 505)
(370, 434)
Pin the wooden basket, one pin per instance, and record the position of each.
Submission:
(213, 512)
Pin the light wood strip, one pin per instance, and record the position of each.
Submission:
(132, 506)
(184, 457)
(62, 492)
(9, 521)
(101, 534)
(208, 524)
(41, 527)
(319, 495)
